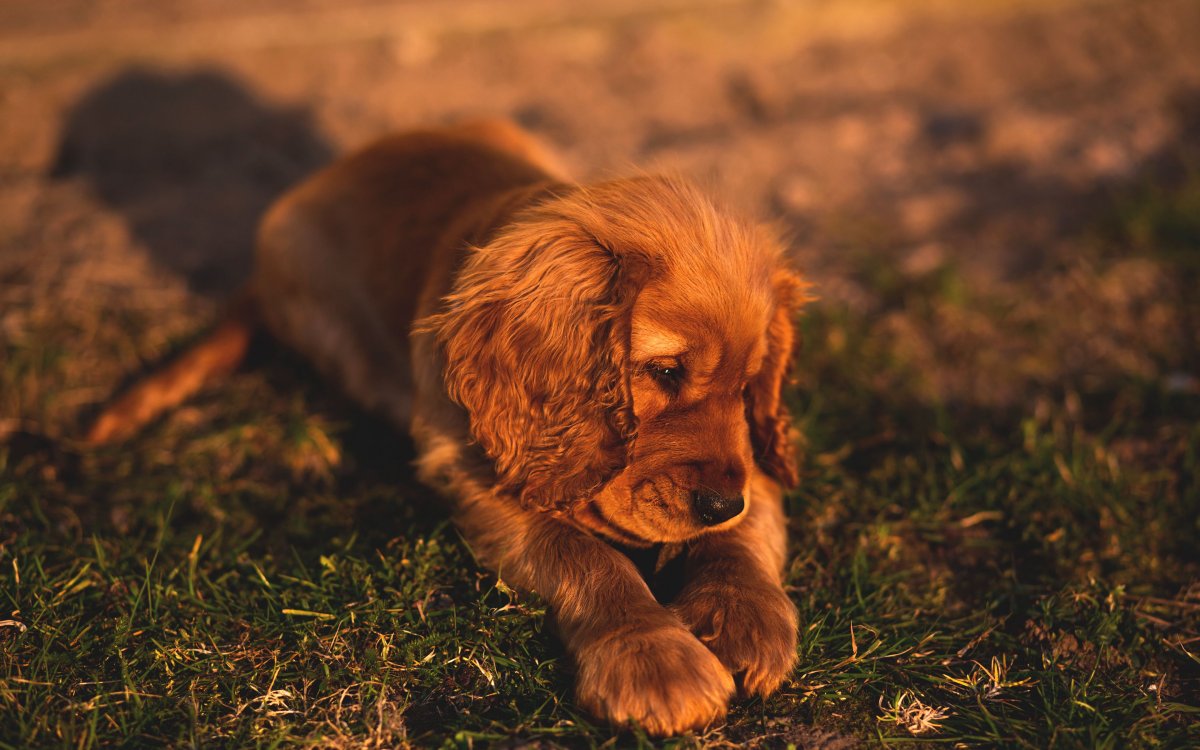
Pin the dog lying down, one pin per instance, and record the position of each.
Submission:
(582, 369)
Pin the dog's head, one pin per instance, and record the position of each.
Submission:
(620, 350)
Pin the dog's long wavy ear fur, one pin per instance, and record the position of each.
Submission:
(535, 336)
(766, 410)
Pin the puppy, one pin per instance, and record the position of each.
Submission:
(582, 369)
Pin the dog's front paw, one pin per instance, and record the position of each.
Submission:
(662, 678)
(751, 629)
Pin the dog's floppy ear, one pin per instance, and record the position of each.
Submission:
(765, 407)
(535, 337)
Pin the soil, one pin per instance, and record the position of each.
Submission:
(948, 174)
(139, 141)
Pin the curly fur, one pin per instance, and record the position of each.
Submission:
(579, 366)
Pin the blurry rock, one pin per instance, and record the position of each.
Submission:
(1106, 157)
(851, 132)
(924, 259)
(796, 193)
(1029, 135)
(926, 212)
(413, 48)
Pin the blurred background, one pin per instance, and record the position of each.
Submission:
(998, 201)
(939, 146)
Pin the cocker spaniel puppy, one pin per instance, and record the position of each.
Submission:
(584, 370)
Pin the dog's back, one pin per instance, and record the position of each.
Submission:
(349, 258)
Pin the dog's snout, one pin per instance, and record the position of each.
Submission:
(712, 508)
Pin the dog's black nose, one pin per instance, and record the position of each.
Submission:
(713, 509)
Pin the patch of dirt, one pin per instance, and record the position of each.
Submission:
(939, 166)
(140, 141)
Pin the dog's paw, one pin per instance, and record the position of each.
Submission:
(661, 678)
(751, 629)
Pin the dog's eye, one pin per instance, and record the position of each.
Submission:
(668, 376)
(747, 393)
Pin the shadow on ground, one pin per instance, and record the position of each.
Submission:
(191, 160)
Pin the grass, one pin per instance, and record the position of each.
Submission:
(989, 551)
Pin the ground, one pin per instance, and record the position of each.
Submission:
(994, 542)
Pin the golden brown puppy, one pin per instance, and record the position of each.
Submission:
(579, 366)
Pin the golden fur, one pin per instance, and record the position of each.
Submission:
(579, 366)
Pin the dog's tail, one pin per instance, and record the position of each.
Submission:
(213, 357)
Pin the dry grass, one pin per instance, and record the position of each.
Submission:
(994, 543)
(260, 569)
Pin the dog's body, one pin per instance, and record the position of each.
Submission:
(577, 366)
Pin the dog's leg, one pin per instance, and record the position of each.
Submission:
(733, 598)
(636, 661)
(214, 356)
